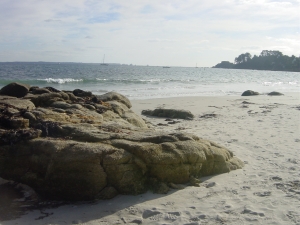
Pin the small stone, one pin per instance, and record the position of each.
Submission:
(275, 93)
(211, 184)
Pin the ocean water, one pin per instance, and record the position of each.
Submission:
(144, 82)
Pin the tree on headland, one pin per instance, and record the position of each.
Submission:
(243, 58)
(267, 60)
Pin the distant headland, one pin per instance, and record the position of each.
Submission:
(267, 60)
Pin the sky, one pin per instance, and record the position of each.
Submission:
(142, 32)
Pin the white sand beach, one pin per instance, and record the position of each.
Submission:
(263, 131)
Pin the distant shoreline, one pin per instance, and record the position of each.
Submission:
(267, 60)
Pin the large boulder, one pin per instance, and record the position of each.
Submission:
(80, 169)
(249, 93)
(15, 89)
(96, 147)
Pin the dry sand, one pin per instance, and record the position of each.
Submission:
(263, 131)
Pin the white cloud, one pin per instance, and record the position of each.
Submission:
(146, 32)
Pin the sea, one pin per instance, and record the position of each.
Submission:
(148, 82)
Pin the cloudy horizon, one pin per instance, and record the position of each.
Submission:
(172, 33)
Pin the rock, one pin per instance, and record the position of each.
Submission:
(40, 91)
(72, 97)
(15, 200)
(37, 90)
(90, 107)
(128, 115)
(159, 187)
(51, 89)
(77, 170)
(211, 184)
(64, 150)
(15, 89)
(113, 96)
(170, 113)
(194, 181)
(275, 93)
(21, 135)
(176, 186)
(47, 99)
(81, 93)
(18, 123)
(64, 105)
(16, 103)
(30, 116)
(250, 93)
(107, 193)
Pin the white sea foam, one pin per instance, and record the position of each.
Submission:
(60, 80)
(138, 82)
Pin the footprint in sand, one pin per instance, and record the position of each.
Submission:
(198, 218)
(294, 161)
(172, 216)
(294, 217)
(168, 204)
(151, 214)
(132, 210)
(276, 178)
(137, 221)
(262, 194)
(249, 211)
(245, 188)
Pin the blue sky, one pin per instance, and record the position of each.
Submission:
(173, 33)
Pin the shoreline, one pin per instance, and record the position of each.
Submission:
(223, 95)
(263, 131)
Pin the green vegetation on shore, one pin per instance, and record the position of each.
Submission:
(267, 60)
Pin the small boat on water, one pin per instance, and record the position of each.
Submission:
(166, 67)
(104, 64)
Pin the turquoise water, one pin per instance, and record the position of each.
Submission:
(143, 82)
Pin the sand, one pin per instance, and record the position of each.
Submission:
(263, 131)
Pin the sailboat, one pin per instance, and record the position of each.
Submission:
(104, 64)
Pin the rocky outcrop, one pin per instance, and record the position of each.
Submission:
(169, 113)
(249, 93)
(275, 93)
(85, 147)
